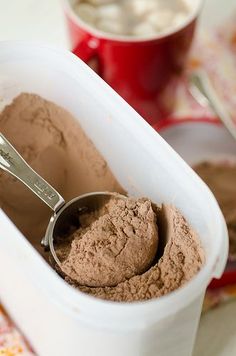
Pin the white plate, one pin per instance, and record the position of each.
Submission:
(198, 141)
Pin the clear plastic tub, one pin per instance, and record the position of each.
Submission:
(57, 319)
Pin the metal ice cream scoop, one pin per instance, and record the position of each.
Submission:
(66, 215)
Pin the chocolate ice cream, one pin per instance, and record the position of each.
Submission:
(119, 244)
(97, 268)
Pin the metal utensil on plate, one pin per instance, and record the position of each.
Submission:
(203, 91)
(65, 214)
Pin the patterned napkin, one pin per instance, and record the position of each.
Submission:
(12, 343)
(215, 52)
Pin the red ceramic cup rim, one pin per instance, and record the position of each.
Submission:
(100, 34)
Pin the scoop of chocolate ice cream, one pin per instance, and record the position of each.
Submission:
(120, 243)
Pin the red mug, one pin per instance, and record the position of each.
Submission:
(144, 71)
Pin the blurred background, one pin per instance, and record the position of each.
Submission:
(44, 21)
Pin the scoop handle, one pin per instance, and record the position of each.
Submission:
(12, 162)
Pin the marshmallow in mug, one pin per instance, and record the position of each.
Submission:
(86, 12)
(133, 17)
(142, 7)
(99, 2)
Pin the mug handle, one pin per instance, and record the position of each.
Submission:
(87, 49)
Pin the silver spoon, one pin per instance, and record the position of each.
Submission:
(66, 215)
(203, 91)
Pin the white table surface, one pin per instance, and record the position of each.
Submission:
(42, 20)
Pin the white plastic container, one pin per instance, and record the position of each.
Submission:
(57, 319)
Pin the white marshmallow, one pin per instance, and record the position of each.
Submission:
(180, 18)
(110, 11)
(161, 20)
(99, 2)
(143, 29)
(136, 17)
(113, 27)
(86, 12)
(142, 7)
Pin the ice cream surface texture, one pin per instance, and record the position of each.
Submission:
(119, 244)
(120, 254)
